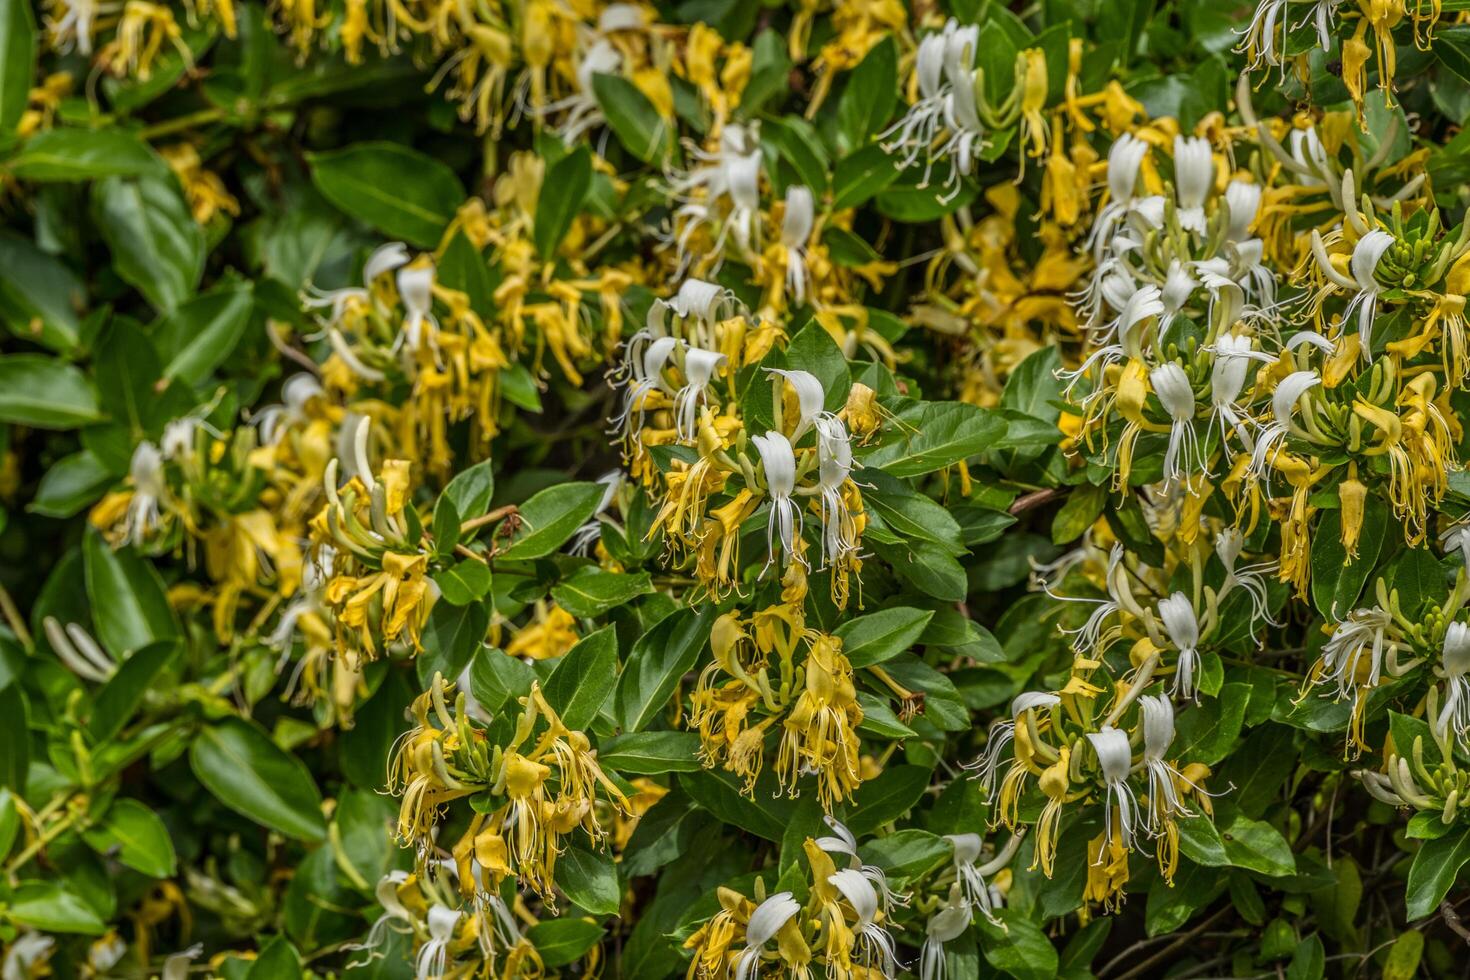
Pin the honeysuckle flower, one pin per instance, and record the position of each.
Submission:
(1194, 174)
(433, 954)
(580, 111)
(1283, 404)
(944, 926)
(645, 380)
(416, 290)
(176, 965)
(970, 877)
(394, 913)
(834, 464)
(699, 367)
(1352, 660)
(150, 491)
(1177, 614)
(1158, 735)
(961, 111)
(1364, 303)
(384, 259)
(1454, 714)
(796, 229)
(916, 132)
(25, 955)
(1243, 201)
(1228, 544)
(767, 919)
(1265, 36)
(810, 397)
(1123, 820)
(845, 843)
(1085, 638)
(875, 945)
(297, 391)
(81, 654)
(1184, 455)
(778, 460)
(1125, 157)
(1179, 285)
(1003, 731)
(1144, 304)
(1233, 354)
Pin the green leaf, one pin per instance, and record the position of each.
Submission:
(632, 118)
(156, 245)
(45, 393)
(934, 435)
(872, 90)
(583, 679)
(860, 175)
(563, 941)
(452, 635)
(813, 350)
(550, 517)
(562, 193)
(1404, 956)
(657, 661)
(116, 701)
(1256, 846)
(51, 907)
(1017, 946)
(886, 798)
(251, 775)
(1452, 48)
(464, 582)
(17, 61)
(765, 813)
(85, 154)
(129, 604)
(589, 592)
(70, 485)
(908, 853)
(496, 677)
(277, 961)
(650, 753)
(15, 741)
(470, 491)
(1336, 580)
(590, 880)
(41, 299)
(1435, 869)
(136, 836)
(397, 190)
(874, 638)
(202, 332)
(1308, 960)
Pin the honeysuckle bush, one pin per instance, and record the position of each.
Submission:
(734, 491)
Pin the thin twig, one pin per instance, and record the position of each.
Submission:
(1036, 498)
(1452, 919)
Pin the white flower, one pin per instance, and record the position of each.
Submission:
(1002, 731)
(106, 953)
(699, 367)
(778, 460)
(1455, 663)
(1283, 403)
(944, 926)
(1177, 613)
(1124, 158)
(297, 391)
(810, 397)
(646, 378)
(1116, 760)
(1184, 455)
(1158, 735)
(1366, 253)
(1086, 637)
(25, 953)
(796, 228)
(384, 259)
(150, 490)
(176, 967)
(971, 878)
(1323, 13)
(81, 654)
(1194, 174)
(767, 919)
(1228, 544)
(1362, 634)
(1233, 354)
(394, 912)
(834, 464)
(1261, 35)
(433, 955)
(1143, 304)
(875, 945)
(416, 289)
(845, 843)
(581, 108)
(1243, 201)
(1179, 285)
